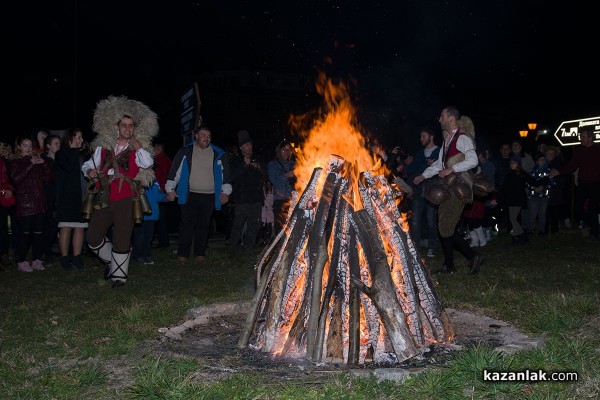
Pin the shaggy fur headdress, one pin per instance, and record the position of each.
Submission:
(110, 111)
(465, 125)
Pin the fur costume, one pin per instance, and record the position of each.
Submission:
(462, 184)
(465, 125)
(109, 112)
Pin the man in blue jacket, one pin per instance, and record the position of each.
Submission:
(199, 177)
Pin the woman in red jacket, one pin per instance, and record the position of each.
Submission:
(29, 172)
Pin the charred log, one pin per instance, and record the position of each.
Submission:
(338, 218)
(301, 211)
(382, 290)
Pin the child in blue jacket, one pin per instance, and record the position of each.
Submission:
(144, 232)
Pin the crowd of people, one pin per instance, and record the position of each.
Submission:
(110, 197)
(462, 193)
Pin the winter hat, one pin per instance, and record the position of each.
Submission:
(107, 115)
(516, 159)
(243, 137)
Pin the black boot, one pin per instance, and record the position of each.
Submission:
(65, 263)
(515, 239)
(475, 264)
(524, 238)
(448, 249)
(78, 262)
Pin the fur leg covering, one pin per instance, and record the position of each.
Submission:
(103, 251)
(119, 267)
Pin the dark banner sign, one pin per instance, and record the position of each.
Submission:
(190, 112)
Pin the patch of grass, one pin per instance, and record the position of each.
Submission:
(560, 313)
(164, 379)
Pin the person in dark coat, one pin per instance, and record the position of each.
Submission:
(513, 195)
(555, 203)
(51, 146)
(29, 173)
(248, 174)
(69, 184)
(7, 193)
(502, 161)
(281, 175)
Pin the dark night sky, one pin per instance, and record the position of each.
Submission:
(504, 63)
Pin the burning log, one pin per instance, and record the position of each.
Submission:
(271, 264)
(382, 290)
(318, 252)
(339, 248)
(344, 285)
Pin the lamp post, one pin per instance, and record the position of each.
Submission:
(523, 133)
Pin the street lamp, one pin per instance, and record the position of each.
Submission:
(532, 126)
(523, 133)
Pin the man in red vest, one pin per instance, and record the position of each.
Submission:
(457, 156)
(122, 165)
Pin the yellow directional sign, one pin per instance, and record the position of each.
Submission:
(567, 133)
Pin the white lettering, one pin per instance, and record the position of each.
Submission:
(529, 376)
(588, 123)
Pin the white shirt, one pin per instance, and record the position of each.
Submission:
(143, 159)
(464, 144)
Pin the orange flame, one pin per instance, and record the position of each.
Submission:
(335, 131)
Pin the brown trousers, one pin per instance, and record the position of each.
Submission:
(118, 215)
(449, 213)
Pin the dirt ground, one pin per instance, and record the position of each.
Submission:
(211, 337)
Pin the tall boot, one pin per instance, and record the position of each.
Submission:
(462, 246)
(119, 267)
(481, 236)
(474, 238)
(448, 249)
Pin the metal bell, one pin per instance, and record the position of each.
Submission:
(450, 180)
(146, 208)
(481, 186)
(436, 193)
(87, 207)
(136, 209)
(464, 192)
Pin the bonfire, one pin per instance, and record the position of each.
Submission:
(343, 282)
